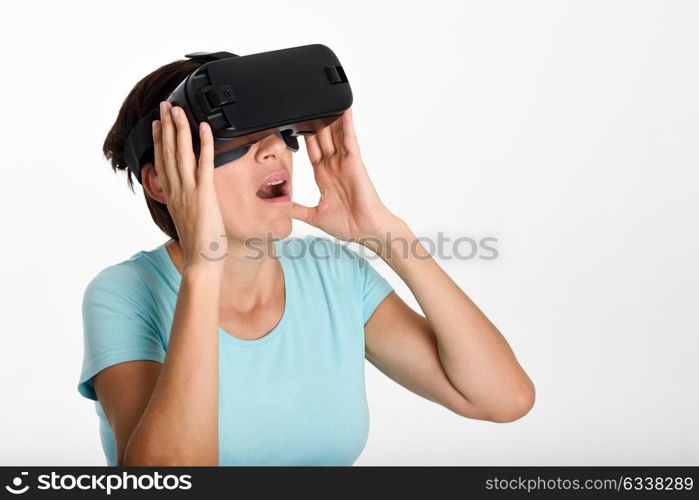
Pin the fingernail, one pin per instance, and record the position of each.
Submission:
(176, 112)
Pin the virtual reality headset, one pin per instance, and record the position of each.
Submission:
(287, 92)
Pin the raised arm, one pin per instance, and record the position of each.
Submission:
(453, 355)
(179, 424)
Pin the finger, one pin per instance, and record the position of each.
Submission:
(169, 147)
(205, 171)
(158, 158)
(350, 143)
(312, 148)
(325, 140)
(336, 131)
(186, 163)
(303, 213)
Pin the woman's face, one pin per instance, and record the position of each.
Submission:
(253, 201)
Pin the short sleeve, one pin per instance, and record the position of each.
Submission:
(374, 287)
(116, 324)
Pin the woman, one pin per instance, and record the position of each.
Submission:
(233, 343)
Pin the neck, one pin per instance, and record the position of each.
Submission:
(250, 277)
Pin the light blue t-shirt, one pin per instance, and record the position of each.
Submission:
(295, 396)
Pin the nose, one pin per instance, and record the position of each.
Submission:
(273, 145)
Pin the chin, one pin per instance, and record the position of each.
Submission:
(277, 229)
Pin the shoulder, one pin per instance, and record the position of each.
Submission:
(126, 281)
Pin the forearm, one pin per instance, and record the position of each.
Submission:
(180, 424)
(475, 356)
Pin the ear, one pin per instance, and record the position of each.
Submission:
(151, 183)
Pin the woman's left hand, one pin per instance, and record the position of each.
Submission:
(349, 206)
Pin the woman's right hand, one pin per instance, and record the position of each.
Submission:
(189, 187)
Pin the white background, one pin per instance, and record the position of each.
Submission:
(567, 130)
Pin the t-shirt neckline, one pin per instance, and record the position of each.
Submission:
(175, 275)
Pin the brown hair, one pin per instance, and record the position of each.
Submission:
(145, 96)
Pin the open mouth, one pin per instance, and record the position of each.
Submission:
(276, 187)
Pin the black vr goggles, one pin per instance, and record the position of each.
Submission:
(288, 92)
